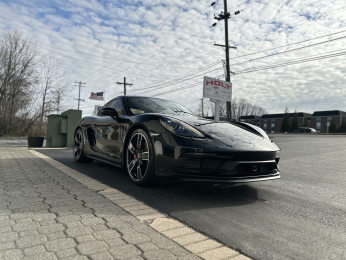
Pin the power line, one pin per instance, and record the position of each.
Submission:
(183, 76)
(288, 44)
(308, 46)
(163, 85)
(175, 80)
(268, 49)
(174, 90)
(167, 92)
(254, 69)
(250, 6)
(179, 81)
(290, 62)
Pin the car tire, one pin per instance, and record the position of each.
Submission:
(141, 172)
(78, 148)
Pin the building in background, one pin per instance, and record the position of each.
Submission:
(320, 120)
(271, 123)
(254, 120)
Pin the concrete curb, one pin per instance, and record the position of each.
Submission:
(195, 242)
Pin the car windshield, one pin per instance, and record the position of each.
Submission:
(142, 105)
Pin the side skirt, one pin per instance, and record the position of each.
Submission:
(105, 161)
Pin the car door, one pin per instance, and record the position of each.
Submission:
(108, 132)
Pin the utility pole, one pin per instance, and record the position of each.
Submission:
(79, 85)
(225, 15)
(125, 84)
(228, 76)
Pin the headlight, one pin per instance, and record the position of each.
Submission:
(180, 128)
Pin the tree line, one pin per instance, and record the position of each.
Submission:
(239, 107)
(333, 127)
(32, 84)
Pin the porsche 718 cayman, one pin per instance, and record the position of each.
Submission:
(157, 140)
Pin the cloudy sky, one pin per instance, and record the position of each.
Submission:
(165, 47)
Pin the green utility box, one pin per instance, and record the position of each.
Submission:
(68, 127)
(54, 136)
(60, 128)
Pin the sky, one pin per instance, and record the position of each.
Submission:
(166, 47)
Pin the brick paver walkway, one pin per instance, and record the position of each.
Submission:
(49, 211)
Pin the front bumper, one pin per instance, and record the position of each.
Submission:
(203, 161)
(230, 167)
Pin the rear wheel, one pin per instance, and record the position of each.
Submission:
(78, 148)
(140, 162)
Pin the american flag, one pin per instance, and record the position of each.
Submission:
(96, 96)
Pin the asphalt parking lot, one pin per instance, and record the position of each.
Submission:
(300, 216)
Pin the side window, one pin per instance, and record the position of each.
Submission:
(117, 105)
(107, 105)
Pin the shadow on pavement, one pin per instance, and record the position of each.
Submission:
(169, 198)
(20, 142)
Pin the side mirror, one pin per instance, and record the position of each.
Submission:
(109, 111)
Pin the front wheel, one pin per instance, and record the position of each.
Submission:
(78, 147)
(140, 162)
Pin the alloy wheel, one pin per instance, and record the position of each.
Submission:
(137, 157)
(77, 144)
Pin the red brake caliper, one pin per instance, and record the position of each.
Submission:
(134, 154)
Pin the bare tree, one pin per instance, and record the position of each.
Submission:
(239, 106)
(53, 85)
(18, 64)
(29, 83)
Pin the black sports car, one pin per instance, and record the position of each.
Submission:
(159, 140)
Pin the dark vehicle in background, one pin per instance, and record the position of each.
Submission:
(157, 140)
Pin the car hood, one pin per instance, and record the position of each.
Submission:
(230, 135)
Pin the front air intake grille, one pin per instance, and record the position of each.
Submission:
(193, 163)
(211, 164)
(222, 167)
